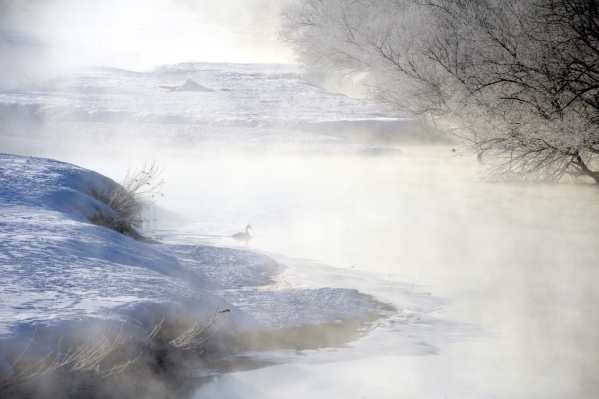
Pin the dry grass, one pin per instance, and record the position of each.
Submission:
(88, 357)
(107, 365)
(197, 334)
(127, 200)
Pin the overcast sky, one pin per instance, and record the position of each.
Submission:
(136, 34)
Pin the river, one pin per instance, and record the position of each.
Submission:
(516, 264)
(511, 269)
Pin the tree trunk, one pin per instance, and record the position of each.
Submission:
(585, 169)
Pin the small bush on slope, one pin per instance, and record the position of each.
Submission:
(127, 200)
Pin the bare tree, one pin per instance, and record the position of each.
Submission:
(518, 81)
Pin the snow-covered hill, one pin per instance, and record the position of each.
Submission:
(244, 106)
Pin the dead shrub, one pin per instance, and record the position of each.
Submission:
(127, 200)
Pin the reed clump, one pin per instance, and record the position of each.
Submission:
(126, 201)
(108, 364)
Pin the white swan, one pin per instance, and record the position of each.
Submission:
(243, 236)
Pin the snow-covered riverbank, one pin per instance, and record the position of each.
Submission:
(61, 275)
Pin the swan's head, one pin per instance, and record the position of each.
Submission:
(248, 227)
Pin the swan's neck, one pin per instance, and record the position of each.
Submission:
(247, 230)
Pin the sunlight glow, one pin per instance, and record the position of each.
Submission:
(139, 34)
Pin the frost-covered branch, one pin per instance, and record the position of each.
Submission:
(518, 81)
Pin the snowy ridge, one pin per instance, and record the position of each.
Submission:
(268, 97)
(56, 266)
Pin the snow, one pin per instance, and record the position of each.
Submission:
(190, 85)
(56, 266)
(246, 104)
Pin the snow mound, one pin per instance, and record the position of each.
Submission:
(56, 265)
(190, 85)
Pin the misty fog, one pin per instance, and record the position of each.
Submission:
(50, 37)
(485, 288)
